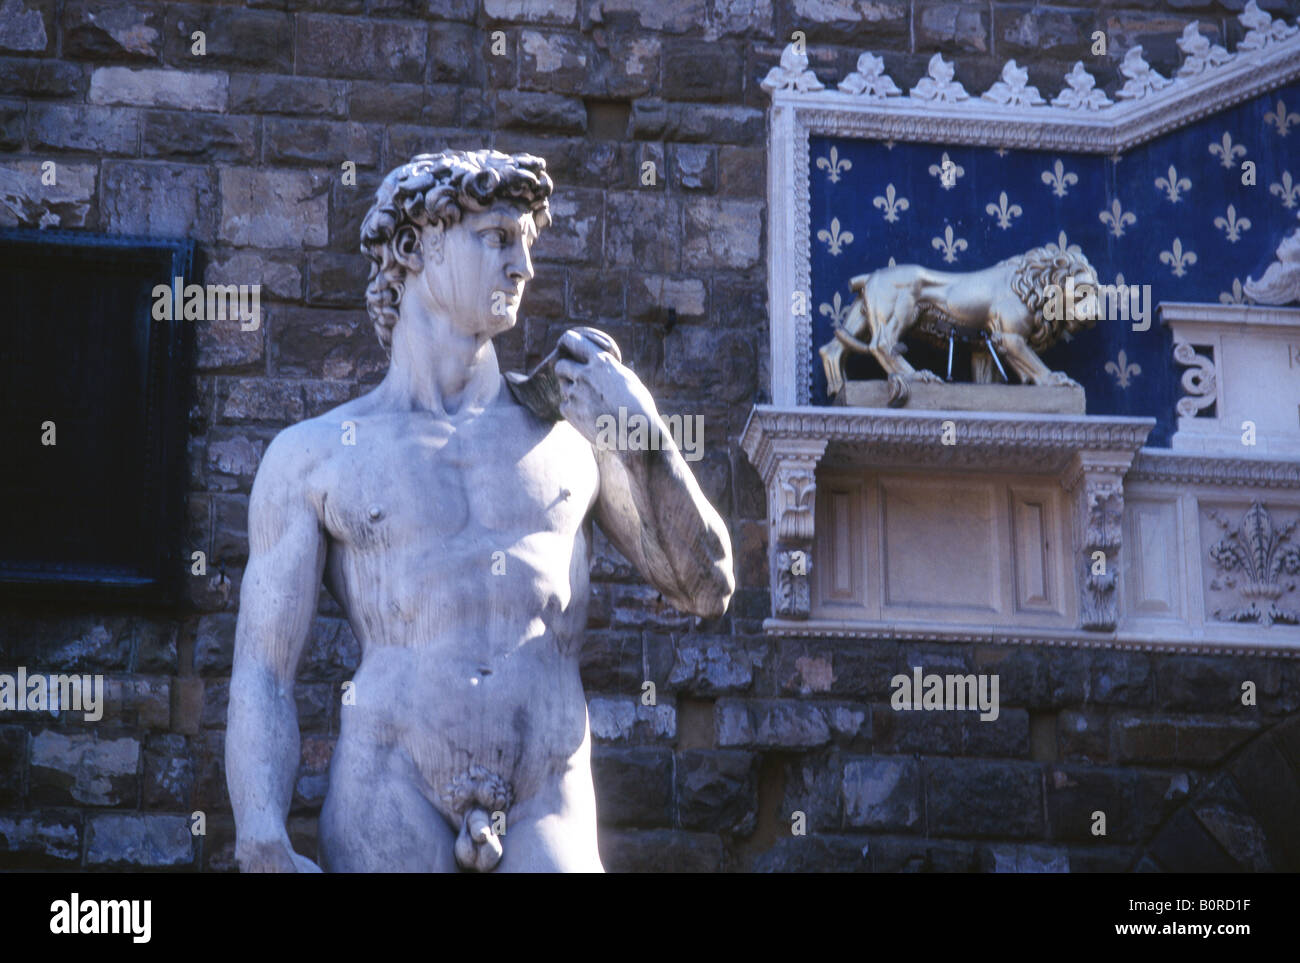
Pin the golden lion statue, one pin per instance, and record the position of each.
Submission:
(1003, 305)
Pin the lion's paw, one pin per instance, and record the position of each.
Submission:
(1061, 378)
(925, 374)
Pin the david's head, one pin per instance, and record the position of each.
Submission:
(453, 230)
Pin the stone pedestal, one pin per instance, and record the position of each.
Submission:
(942, 396)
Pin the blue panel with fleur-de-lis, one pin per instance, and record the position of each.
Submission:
(1172, 213)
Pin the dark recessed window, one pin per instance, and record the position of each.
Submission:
(93, 403)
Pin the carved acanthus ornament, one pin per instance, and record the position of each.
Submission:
(788, 467)
(793, 73)
(1254, 559)
(1096, 480)
(870, 80)
(1013, 88)
(939, 85)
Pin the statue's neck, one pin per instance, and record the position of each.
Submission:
(437, 368)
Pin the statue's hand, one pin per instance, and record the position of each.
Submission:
(271, 856)
(596, 384)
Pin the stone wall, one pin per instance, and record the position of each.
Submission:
(243, 147)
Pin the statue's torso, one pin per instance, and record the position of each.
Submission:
(459, 551)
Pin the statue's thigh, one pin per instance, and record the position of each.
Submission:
(376, 821)
(554, 831)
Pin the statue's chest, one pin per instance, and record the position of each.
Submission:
(499, 476)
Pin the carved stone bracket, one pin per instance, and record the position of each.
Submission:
(1088, 454)
(788, 466)
(1096, 480)
(1198, 380)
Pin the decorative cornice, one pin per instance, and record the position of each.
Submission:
(1235, 315)
(1160, 465)
(1012, 114)
(1231, 641)
(984, 441)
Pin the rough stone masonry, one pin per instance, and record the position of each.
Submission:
(242, 148)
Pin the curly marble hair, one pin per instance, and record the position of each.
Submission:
(436, 189)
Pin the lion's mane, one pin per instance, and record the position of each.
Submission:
(1034, 273)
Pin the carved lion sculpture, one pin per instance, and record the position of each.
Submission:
(1002, 306)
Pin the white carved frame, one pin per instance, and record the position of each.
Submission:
(1081, 118)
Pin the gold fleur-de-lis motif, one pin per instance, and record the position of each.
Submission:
(1177, 258)
(1232, 224)
(947, 172)
(1173, 185)
(1059, 179)
(890, 203)
(1123, 371)
(1287, 190)
(1281, 119)
(834, 238)
(1064, 246)
(948, 244)
(1235, 296)
(1117, 218)
(834, 164)
(836, 310)
(1002, 212)
(1227, 151)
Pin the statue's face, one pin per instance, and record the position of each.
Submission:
(485, 262)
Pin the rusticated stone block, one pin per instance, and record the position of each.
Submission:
(703, 70)
(105, 31)
(967, 797)
(542, 112)
(904, 854)
(82, 770)
(199, 137)
(880, 23)
(274, 208)
(40, 78)
(1075, 793)
(625, 719)
(670, 16)
(167, 200)
(882, 793)
(40, 841)
(153, 87)
(320, 143)
(276, 94)
(353, 47)
(324, 343)
(145, 840)
(13, 765)
(633, 786)
(26, 202)
(660, 851)
(78, 127)
(232, 37)
(952, 28)
(1002, 858)
(815, 854)
(711, 123)
(717, 791)
(168, 773)
(771, 723)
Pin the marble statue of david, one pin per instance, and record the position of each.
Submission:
(453, 526)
